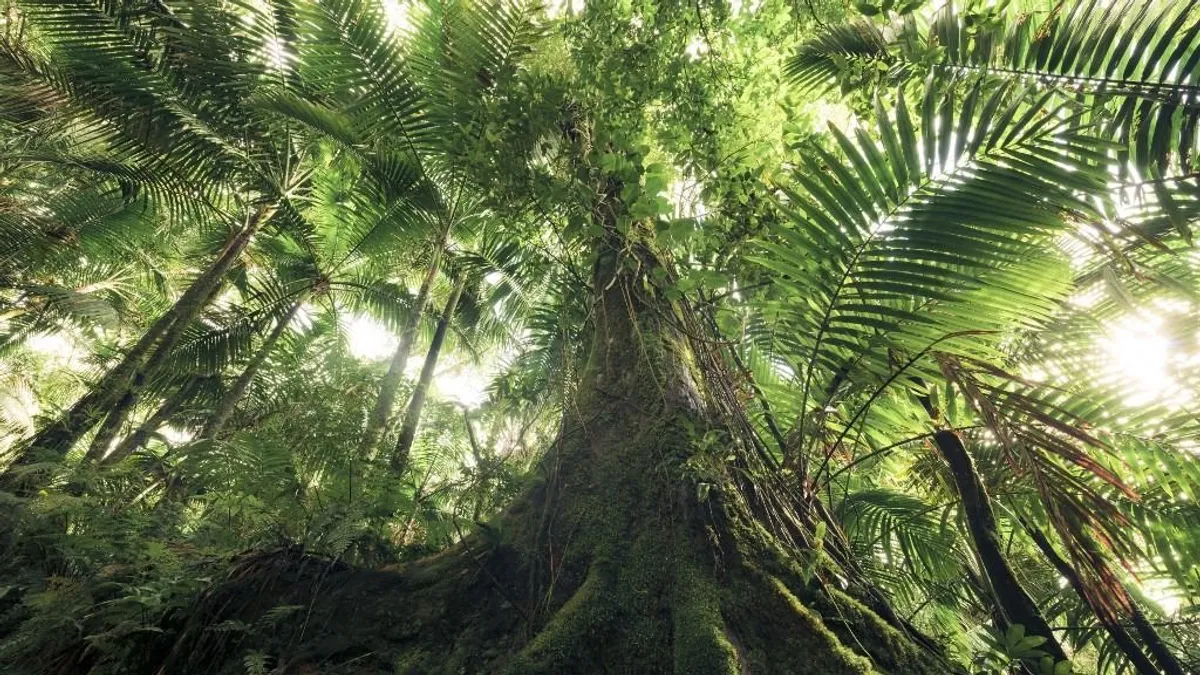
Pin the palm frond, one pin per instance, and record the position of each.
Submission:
(885, 247)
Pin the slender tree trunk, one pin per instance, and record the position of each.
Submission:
(412, 415)
(229, 401)
(378, 418)
(193, 301)
(1012, 600)
(109, 398)
(477, 455)
(1167, 663)
(1116, 631)
(60, 435)
(1154, 643)
(138, 438)
(1010, 595)
(110, 428)
(476, 452)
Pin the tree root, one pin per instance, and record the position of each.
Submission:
(572, 633)
(442, 616)
(701, 640)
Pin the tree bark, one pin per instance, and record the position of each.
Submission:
(1116, 631)
(378, 418)
(412, 415)
(1154, 644)
(110, 428)
(1014, 601)
(60, 436)
(228, 403)
(1167, 663)
(476, 452)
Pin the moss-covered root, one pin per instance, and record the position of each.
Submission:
(890, 650)
(701, 642)
(748, 623)
(661, 611)
(573, 632)
(782, 635)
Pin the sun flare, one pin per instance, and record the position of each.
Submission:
(369, 340)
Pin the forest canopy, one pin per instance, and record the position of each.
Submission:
(599, 336)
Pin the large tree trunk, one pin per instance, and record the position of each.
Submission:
(412, 415)
(1012, 598)
(378, 418)
(645, 548)
(228, 403)
(115, 394)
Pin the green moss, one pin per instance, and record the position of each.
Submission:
(821, 647)
(891, 650)
(779, 635)
(570, 638)
(699, 641)
(414, 662)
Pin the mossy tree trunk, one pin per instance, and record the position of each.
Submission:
(1011, 604)
(654, 542)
